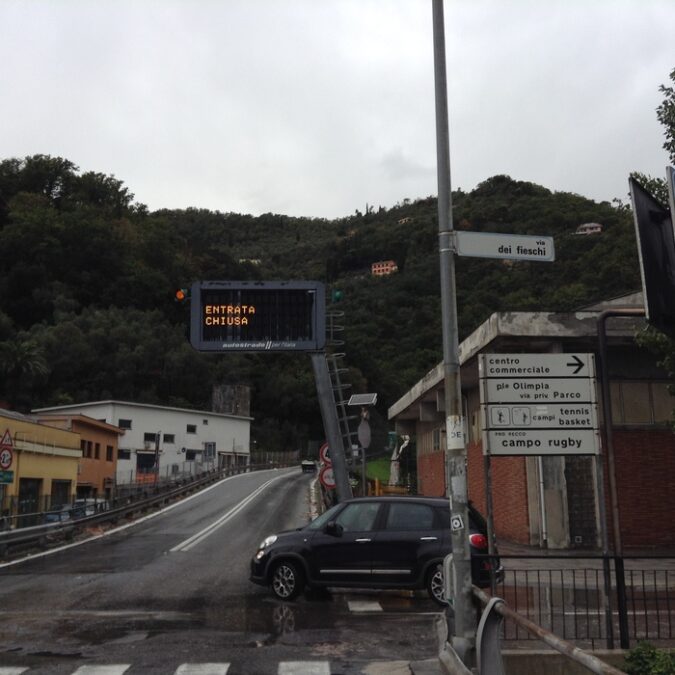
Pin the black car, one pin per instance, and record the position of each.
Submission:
(371, 542)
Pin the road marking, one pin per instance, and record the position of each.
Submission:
(304, 668)
(203, 669)
(116, 669)
(12, 671)
(364, 606)
(210, 529)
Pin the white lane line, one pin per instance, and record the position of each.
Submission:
(202, 669)
(115, 530)
(116, 669)
(364, 606)
(304, 668)
(12, 671)
(197, 538)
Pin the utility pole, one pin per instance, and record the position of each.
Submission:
(463, 640)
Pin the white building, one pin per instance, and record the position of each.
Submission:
(184, 440)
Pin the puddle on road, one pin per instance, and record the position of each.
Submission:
(257, 620)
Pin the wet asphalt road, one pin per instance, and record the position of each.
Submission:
(155, 596)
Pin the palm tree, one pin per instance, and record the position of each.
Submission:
(21, 362)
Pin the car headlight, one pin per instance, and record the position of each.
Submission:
(264, 544)
(268, 541)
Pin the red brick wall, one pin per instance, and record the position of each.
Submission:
(509, 493)
(431, 474)
(645, 476)
(509, 489)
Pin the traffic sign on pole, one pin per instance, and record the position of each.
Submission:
(509, 246)
(543, 441)
(538, 404)
(327, 478)
(324, 454)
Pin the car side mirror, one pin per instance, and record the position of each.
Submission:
(334, 529)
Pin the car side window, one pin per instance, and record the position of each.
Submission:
(403, 516)
(358, 517)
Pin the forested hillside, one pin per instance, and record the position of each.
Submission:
(88, 275)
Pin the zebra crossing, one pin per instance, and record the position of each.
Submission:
(284, 668)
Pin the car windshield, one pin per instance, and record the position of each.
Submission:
(324, 518)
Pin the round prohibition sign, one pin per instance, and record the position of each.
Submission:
(6, 458)
(327, 478)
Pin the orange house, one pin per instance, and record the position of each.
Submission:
(98, 442)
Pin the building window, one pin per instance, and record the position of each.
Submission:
(209, 451)
(124, 424)
(169, 438)
(205, 422)
(97, 451)
(190, 455)
(90, 448)
(83, 448)
(108, 453)
(191, 429)
(436, 439)
(150, 437)
(640, 403)
(123, 454)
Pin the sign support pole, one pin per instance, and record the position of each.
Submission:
(331, 424)
(463, 641)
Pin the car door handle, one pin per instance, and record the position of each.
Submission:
(428, 538)
(361, 541)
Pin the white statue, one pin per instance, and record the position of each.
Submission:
(394, 466)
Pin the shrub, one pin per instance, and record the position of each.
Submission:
(645, 659)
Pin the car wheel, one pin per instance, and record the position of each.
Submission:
(287, 580)
(436, 585)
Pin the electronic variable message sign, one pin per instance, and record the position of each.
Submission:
(258, 316)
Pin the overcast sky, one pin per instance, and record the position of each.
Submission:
(319, 107)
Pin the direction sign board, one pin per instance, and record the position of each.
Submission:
(539, 390)
(544, 416)
(538, 404)
(543, 441)
(536, 365)
(510, 246)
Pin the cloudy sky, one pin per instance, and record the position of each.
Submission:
(319, 107)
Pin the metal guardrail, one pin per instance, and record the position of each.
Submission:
(488, 649)
(43, 535)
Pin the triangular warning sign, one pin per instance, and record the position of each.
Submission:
(6, 441)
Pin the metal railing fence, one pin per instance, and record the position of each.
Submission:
(568, 596)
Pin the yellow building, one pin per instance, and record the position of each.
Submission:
(38, 464)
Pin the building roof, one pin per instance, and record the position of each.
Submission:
(545, 327)
(83, 419)
(78, 406)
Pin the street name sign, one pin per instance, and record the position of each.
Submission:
(509, 246)
(538, 404)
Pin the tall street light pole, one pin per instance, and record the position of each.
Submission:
(455, 451)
